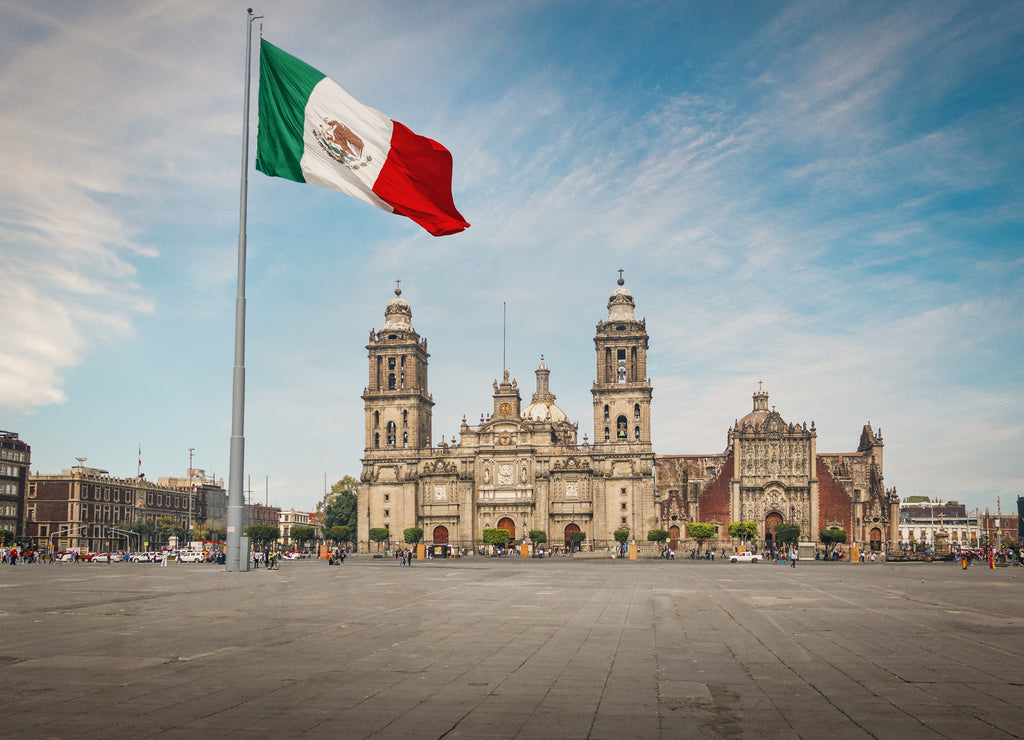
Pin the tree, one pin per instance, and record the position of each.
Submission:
(261, 535)
(339, 533)
(744, 531)
(413, 535)
(832, 537)
(497, 537)
(167, 527)
(657, 535)
(621, 536)
(302, 534)
(6, 537)
(576, 538)
(701, 531)
(338, 506)
(379, 534)
(538, 536)
(787, 534)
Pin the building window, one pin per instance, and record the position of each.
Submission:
(606, 434)
(636, 411)
(623, 520)
(623, 505)
(606, 412)
(376, 418)
(387, 512)
(623, 491)
(636, 434)
(391, 382)
(387, 496)
(620, 426)
(391, 363)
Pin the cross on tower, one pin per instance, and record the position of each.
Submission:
(398, 286)
(620, 273)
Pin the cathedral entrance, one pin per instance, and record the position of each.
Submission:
(673, 537)
(570, 529)
(509, 526)
(440, 535)
(770, 522)
(876, 539)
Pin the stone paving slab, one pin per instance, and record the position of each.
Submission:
(496, 648)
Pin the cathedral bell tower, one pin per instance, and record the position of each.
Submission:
(398, 406)
(622, 392)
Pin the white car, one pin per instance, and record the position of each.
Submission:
(745, 557)
(191, 556)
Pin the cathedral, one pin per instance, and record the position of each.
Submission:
(524, 468)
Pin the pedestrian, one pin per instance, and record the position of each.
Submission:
(793, 558)
(163, 561)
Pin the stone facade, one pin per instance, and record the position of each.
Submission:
(523, 467)
(15, 460)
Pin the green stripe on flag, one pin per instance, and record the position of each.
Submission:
(285, 86)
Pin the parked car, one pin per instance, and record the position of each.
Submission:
(191, 556)
(294, 555)
(745, 557)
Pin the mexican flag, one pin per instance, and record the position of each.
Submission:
(310, 130)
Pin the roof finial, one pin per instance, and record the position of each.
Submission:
(398, 287)
(621, 281)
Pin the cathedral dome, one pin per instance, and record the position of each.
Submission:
(620, 304)
(542, 406)
(398, 314)
(543, 411)
(760, 413)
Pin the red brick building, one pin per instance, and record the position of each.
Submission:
(82, 507)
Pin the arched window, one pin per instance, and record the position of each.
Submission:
(376, 418)
(405, 418)
(405, 439)
(391, 381)
(636, 411)
(376, 440)
(606, 412)
(636, 434)
(606, 434)
(621, 429)
(391, 434)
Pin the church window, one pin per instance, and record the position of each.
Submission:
(636, 411)
(376, 440)
(391, 382)
(391, 433)
(623, 520)
(405, 439)
(376, 418)
(623, 505)
(621, 427)
(621, 356)
(636, 433)
(606, 412)
(405, 418)
(387, 512)
(623, 491)
(391, 363)
(607, 435)
(387, 496)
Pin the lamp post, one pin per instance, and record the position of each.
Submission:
(191, 488)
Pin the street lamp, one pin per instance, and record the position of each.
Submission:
(190, 489)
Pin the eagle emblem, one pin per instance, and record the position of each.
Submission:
(341, 144)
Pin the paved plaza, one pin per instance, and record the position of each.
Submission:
(503, 648)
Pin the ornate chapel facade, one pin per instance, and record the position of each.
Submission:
(523, 467)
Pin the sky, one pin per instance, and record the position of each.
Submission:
(825, 197)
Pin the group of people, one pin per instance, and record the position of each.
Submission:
(405, 557)
(266, 558)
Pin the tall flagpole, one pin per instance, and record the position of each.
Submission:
(235, 560)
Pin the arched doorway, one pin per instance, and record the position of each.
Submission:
(770, 522)
(509, 526)
(876, 539)
(440, 535)
(673, 537)
(569, 530)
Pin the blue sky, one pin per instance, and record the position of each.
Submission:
(822, 196)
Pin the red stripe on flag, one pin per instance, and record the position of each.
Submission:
(416, 180)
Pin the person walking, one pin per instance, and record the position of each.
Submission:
(792, 558)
